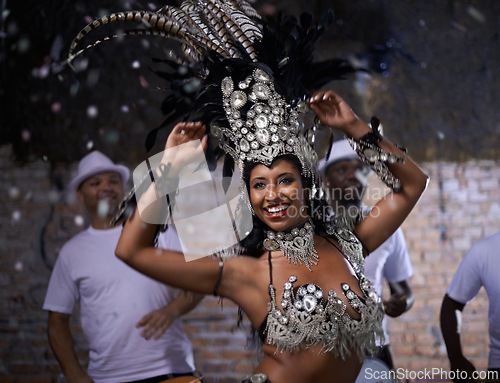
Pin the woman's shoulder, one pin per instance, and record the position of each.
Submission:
(243, 263)
(245, 278)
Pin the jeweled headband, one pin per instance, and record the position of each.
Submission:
(262, 125)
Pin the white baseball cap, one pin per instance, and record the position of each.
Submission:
(341, 150)
(94, 163)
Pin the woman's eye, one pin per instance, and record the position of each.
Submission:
(259, 185)
(286, 181)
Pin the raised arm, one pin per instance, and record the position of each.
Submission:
(390, 212)
(135, 246)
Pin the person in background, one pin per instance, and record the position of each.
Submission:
(346, 177)
(130, 321)
(478, 268)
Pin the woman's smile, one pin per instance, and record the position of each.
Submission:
(276, 210)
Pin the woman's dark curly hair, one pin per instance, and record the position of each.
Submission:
(253, 243)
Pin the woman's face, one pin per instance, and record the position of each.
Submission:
(277, 195)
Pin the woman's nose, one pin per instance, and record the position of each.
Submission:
(271, 193)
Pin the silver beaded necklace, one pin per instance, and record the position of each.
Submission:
(297, 244)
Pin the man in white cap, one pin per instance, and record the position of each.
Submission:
(115, 300)
(346, 179)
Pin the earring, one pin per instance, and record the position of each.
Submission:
(246, 200)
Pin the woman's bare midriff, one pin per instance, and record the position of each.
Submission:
(308, 366)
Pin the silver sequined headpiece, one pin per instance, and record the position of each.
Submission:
(262, 125)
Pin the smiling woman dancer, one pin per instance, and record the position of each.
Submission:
(298, 276)
(321, 329)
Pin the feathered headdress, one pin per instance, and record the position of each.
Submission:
(246, 78)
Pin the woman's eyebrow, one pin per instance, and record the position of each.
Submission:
(286, 173)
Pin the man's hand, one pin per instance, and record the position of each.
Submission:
(401, 298)
(395, 305)
(156, 322)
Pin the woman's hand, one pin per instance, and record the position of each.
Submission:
(184, 133)
(333, 111)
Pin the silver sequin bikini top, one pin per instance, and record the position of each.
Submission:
(309, 317)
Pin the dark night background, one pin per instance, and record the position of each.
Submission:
(433, 82)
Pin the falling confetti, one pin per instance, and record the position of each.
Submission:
(56, 107)
(44, 71)
(23, 45)
(111, 136)
(19, 266)
(92, 111)
(459, 26)
(79, 221)
(93, 78)
(25, 135)
(476, 14)
(81, 65)
(192, 85)
(74, 89)
(16, 216)
(103, 208)
(14, 192)
(144, 82)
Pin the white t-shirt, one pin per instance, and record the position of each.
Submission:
(389, 261)
(113, 298)
(480, 267)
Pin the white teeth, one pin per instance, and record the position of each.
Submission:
(276, 209)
